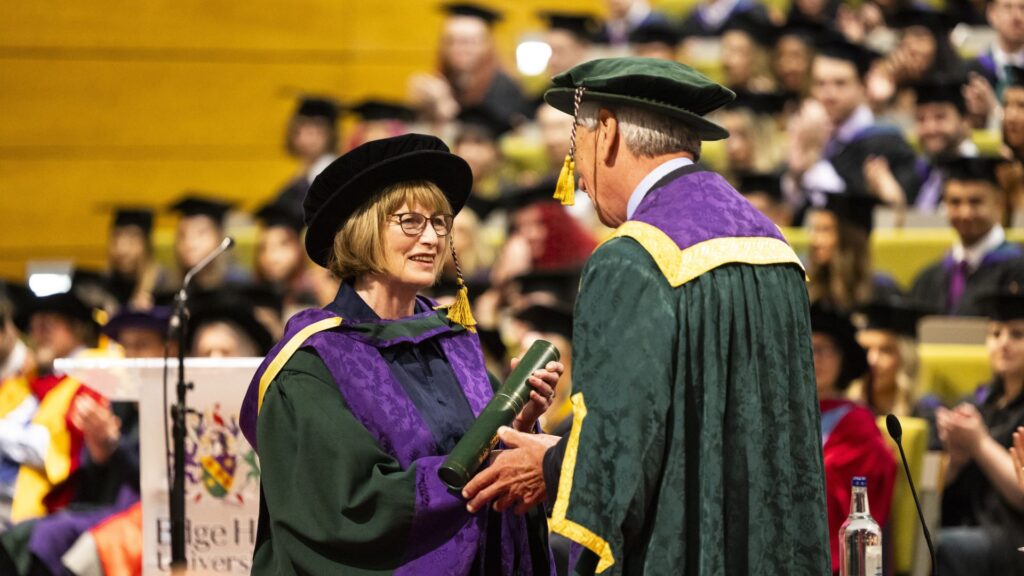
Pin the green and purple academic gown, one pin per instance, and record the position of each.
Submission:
(351, 417)
(695, 447)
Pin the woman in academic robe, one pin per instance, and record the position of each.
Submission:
(982, 504)
(353, 412)
(852, 443)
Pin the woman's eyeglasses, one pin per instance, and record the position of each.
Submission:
(413, 224)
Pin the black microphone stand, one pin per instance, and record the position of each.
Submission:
(179, 411)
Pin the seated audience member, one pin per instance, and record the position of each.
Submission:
(746, 40)
(200, 230)
(839, 253)
(569, 35)
(853, 445)
(982, 259)
(655, 40)
(107, 481)
(224, 325)
(15, 357)
(764, 191)
(132, 272)
(281, 258)
(625, 16)
(943, 132)
(40, 445)
(989, 71)
(859, 155)
(551, 322)
(711, 18)
(982, 505)
(795, 45)
(887, 330)
(312, 139)
(376, 119)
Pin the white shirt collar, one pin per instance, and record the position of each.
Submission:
(975, 254)
(1002, 59)
(716, 14)
(641, 190)
(860, 118)
(321, 163)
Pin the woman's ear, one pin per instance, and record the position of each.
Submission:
(607, 137)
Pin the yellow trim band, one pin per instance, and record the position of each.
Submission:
(681, 266)
(559, 523)
(288, 350)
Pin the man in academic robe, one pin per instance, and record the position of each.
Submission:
(859, 156)
(694, 446)
(982, 259)
(200, 231)
(943, 132)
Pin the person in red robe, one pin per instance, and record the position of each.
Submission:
(852, 443)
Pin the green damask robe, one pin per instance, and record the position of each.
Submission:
(695, 447)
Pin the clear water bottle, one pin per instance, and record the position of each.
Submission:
(860, 539)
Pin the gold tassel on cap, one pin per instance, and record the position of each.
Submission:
(460, 311)
(565, 188)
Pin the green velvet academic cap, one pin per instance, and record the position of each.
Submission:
(660, 86)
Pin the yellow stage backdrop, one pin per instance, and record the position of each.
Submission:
(113, 101)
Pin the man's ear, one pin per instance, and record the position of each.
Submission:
(607, 137)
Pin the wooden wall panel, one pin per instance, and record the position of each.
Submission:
(115, 101)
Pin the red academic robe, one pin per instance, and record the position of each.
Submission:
(855, 447)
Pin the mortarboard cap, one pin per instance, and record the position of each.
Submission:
(15, 299)
(758, 28)
(891, 315)
(231, 307)
(561, 283)
(473, 10)
(547, 318)
(938, 23)
(195, 205)
(835, 324)
(281, 214)
(769, 183)
(141, 217)
(375, 109)
(837, 47)
(318, 108)
(980, 169)
(770, 103)
(518, 198)
(155, 319)
(667, 88)
(1004, 305)
(809, 32)
(579, 24)
(942, 90)
(856, 209)
(655, 33)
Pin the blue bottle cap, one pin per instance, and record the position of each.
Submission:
(860, 482)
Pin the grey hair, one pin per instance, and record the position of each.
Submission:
(645, 133)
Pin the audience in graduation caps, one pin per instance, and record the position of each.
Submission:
(854, 122)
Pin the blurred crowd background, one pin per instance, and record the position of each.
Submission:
(883, 137)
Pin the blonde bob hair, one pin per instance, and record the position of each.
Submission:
(359, 244)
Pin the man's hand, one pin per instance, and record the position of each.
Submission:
(541, 397)
(515, 477)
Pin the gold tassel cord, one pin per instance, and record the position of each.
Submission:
(460, 311)
(565, 188)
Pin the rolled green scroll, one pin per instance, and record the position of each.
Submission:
(508, 401)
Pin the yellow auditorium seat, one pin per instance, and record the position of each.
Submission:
(951, 371)
(903, 522)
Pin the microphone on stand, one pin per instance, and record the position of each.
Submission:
(892, 423)
(176, 321)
